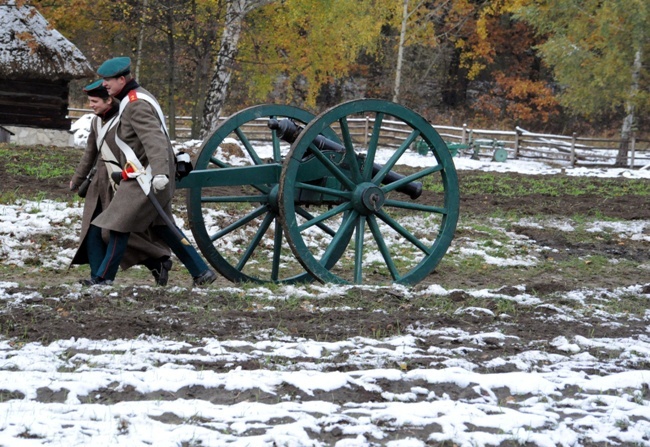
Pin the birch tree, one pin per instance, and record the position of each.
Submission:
(630, 110)
(417, 24)
(400, 51)
(236, 11)
(596, 50)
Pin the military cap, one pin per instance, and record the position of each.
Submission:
(96, 89)
(116, 67)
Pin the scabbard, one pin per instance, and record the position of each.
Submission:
(168, 221)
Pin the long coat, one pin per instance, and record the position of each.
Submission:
(141, 245)
(140, 128)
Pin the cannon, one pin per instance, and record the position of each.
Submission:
(288, 131)
(279, 195)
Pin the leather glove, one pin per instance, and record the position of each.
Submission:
(159, 182)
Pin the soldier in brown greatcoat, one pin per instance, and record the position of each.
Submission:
(148, 164)
(143, 247)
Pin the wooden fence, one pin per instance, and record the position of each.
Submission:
(565, 150)
(519, 144)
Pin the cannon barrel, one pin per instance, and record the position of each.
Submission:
(288, 131)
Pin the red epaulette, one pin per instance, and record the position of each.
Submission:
(133, 95)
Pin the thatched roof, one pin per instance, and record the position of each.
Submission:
(31, 49)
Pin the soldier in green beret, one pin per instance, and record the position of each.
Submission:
(147, 161)
(93, 171)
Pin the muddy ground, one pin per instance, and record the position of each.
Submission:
(99, 315)
(53, 307)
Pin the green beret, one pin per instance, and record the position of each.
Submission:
(96, 89)
(116, 67)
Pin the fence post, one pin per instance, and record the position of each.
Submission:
(463, 139)
(633, 143)
(517, 133)
(573, 150)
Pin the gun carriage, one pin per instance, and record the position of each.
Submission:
(316, 200)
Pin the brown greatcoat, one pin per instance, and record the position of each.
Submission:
(141, 245)
(140, 128)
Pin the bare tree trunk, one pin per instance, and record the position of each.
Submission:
(400, 52)
(171, 72)
(143, 20)
(202, 72)
(217, 93)
(203, 57)
(630, 109)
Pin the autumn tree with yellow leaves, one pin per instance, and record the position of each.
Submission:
(496, 62)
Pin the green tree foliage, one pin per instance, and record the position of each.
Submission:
(297, 47)
(501, 60)
(592, 45)
(172, 42)
(473, 55)
(497, 52)
(97, 27)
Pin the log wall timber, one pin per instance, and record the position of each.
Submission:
(34, 103)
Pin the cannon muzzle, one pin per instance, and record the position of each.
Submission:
(289, 131)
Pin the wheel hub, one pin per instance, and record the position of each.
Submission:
(368, 198)
(273, 199)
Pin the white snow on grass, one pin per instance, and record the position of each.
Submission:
(87, 375)
(397, 391)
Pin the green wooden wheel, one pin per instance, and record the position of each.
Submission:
(384, 232)
(237, 227)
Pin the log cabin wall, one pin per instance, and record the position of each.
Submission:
(34, 103)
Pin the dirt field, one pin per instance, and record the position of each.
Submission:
(180, 313)
(38, 324)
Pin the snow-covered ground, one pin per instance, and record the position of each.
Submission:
(56, 394)
(612, 405)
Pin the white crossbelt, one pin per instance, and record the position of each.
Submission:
(112, 165)
(142, 174)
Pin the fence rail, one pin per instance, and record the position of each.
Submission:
(520, 144)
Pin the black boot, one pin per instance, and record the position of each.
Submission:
(161, 272)
(96, 282)
(205, 278)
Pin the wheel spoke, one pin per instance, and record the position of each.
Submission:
(358, 250)
(259, 234)
(277, 250)
(308, 216)
(410, 178)
(340, 236)
(324, 190)
(379, 176)
(239, 223)
(415, 206)
(326, 215)
(403, 232)
(372, 146)
(248, 146)
(277, 156)
(254, 156)
(350, 155)
(383, 248)
(329, 164)
(220, 163)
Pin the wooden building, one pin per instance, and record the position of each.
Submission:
(36, 66)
